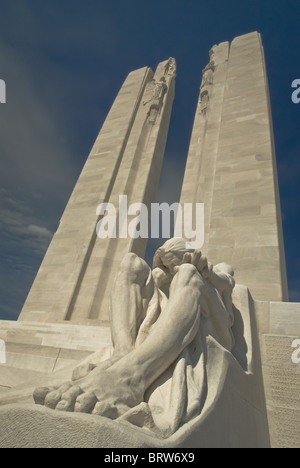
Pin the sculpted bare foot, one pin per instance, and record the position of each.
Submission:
(107, 393)
(96, 360)
(85, 368)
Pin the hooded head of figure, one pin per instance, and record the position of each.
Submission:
(171, 254)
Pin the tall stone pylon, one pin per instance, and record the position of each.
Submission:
(77, 274)
(231, 168)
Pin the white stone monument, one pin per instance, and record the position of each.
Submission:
(116, 354)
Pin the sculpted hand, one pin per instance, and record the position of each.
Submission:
(161, 276)
(197, 259)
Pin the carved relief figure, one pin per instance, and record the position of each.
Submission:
(206, 84)
(171, 67)
(159, 90)
(161, 320)
(208, 76)
(204, 100)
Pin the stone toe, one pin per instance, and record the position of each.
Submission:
(52, 399)
(68, 399)
(54, 396)
(85, 403)
(40, 394)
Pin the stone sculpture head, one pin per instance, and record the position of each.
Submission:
(171, 254)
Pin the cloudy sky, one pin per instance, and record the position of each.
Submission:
(63, 63)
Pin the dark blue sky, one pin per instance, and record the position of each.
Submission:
(63, 63)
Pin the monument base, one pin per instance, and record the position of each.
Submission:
(31, 426)
(233, 416)
(24, 424)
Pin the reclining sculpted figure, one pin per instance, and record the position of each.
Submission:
(160, 321)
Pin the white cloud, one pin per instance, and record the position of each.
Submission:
(19, 228)
(39, 231)
(23, 242)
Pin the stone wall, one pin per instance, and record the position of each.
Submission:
(279, 326)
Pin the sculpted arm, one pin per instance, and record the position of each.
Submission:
(173, 331)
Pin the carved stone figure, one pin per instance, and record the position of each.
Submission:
(159, 319)
(171, 67)
(159, 90)
(206, 84)
(208, 75)
(158, 93)
(204, 101)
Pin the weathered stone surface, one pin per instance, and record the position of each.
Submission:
(50, 346)
(279, 326)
